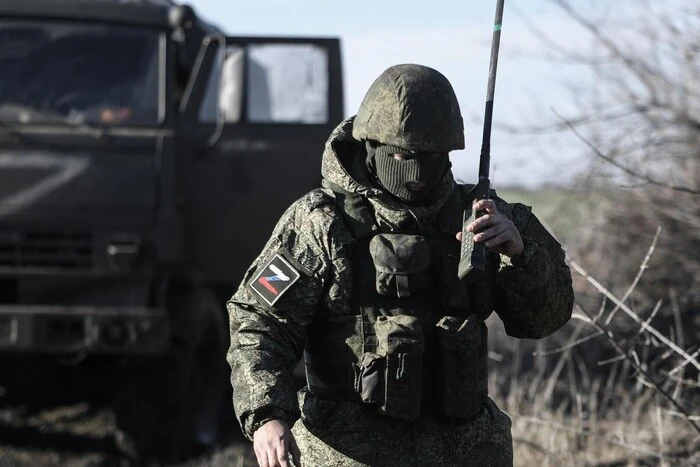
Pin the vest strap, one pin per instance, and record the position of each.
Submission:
(355, 210)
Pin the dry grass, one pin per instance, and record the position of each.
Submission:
(639, 433)
(563, 414)
(588, 396)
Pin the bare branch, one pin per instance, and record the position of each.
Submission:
(611, 360)
(567, 347)
(648, 321)
(639, 69)
(550, 128)
(643, 267)
(646, 177)
(637, 366)
(631, 314)
(673, 412)
(684, 364)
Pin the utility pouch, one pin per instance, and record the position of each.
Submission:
(401, 262)
(461, 367)
(392, 377)
(369, 383)
(400, 341)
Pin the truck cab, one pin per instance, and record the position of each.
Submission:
(145, 157)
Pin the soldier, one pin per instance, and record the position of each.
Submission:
(361, 277)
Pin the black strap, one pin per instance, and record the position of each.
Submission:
(356, 211)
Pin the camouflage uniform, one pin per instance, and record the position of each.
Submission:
(531, 293)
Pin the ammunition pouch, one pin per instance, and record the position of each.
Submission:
(392, 376)
(462, 366)
(369, 381)
(328, 357)
(401, 262)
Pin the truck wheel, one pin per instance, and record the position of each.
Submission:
(170, 409)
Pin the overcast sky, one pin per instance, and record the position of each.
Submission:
(453, 36)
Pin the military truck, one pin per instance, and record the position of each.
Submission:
(144, 159)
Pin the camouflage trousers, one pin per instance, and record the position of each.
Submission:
(347, 434)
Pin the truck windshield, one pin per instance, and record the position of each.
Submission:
(78, 73)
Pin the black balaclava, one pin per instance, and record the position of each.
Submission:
(393, 174)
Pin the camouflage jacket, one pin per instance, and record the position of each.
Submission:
(534, 290)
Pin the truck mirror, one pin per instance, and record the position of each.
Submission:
(181, 17)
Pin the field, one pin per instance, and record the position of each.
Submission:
(573, 398)
(563, 211)
(568, 407)
(84, 436)
(566, 412)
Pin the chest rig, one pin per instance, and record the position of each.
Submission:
(416, 338)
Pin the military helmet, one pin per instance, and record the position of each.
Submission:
(413, 107)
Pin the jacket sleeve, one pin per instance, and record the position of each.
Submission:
(267, 341)
(533, 295)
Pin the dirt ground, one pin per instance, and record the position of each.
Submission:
(84, 436)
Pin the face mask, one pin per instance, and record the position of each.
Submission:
(395, 174)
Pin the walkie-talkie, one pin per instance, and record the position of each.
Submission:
(472, 259)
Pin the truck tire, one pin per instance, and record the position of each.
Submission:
(170, 408)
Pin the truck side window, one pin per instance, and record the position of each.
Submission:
(224, 91)
(287, 83)
(231, 93)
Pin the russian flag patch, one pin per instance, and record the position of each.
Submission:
(274, 279)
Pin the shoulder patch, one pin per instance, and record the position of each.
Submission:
(274, 279)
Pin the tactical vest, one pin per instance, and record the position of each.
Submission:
(416, 339)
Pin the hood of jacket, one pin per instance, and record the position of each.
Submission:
(343, 169)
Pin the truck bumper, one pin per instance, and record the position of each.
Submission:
(93, 330)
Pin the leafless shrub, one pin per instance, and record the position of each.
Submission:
(638, 412)
(621, 385)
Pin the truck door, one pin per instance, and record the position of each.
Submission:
(270, 106)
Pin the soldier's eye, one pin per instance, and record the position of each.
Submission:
(403, 156)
